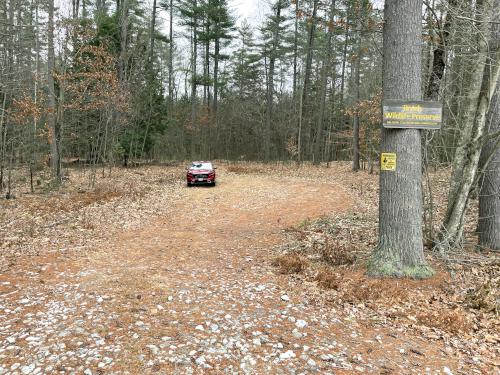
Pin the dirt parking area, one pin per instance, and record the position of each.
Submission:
(149, 276)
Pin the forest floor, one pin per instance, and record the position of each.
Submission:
(261, 274)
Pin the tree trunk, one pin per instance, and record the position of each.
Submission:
(215, 102)
(270, 84)
(325, 72)
(342, 78)
(400, 249)
(208, 95)
(171, 59)
(307, 76)
(489, 197)
(152, 35)
(52, 112)
(36, 47)
(295, 49)
(3, 140)
(122, 10)
(473, 119)
(357, 83)
(194, 62)
(439, 56)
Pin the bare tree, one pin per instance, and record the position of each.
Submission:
(482, 79)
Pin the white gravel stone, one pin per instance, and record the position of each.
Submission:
(153, 348)
(15, 366)
(301, 324)
(200, 361)
(257, 342)
(296, 334)
(28, 369)
(284, 297)
(287, 355)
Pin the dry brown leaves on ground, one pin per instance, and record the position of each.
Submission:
(323, 259)
(460, 305)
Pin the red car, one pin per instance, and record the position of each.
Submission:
(200, 173)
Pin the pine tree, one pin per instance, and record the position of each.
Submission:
(400, 248)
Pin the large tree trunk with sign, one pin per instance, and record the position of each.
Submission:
(483, 78)
(400, 249)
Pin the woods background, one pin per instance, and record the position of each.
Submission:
(103, 83)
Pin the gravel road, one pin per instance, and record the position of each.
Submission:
(193, 291)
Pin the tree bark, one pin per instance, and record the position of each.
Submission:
(152, 35)
(305, 86)
(295, 49)
(325, 71)
(400, 249)
(52, 112)
(215, 102)
(171, 59)
(357, 83)
(270, 83)
(194, 62)
(122, 10)
(343, 70)
(489, 197)
(3, 139)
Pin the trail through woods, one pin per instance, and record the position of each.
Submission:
(183, 282)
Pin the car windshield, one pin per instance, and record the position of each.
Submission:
(199, 165)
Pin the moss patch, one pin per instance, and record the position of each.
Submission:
(394, 268)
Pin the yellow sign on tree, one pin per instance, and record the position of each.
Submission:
(412, 114)
(388, 162)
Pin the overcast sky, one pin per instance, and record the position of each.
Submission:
(251, 10)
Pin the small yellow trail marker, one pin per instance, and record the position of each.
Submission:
(388, 162)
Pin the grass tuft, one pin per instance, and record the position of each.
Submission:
(337, 254)
(290, 263)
